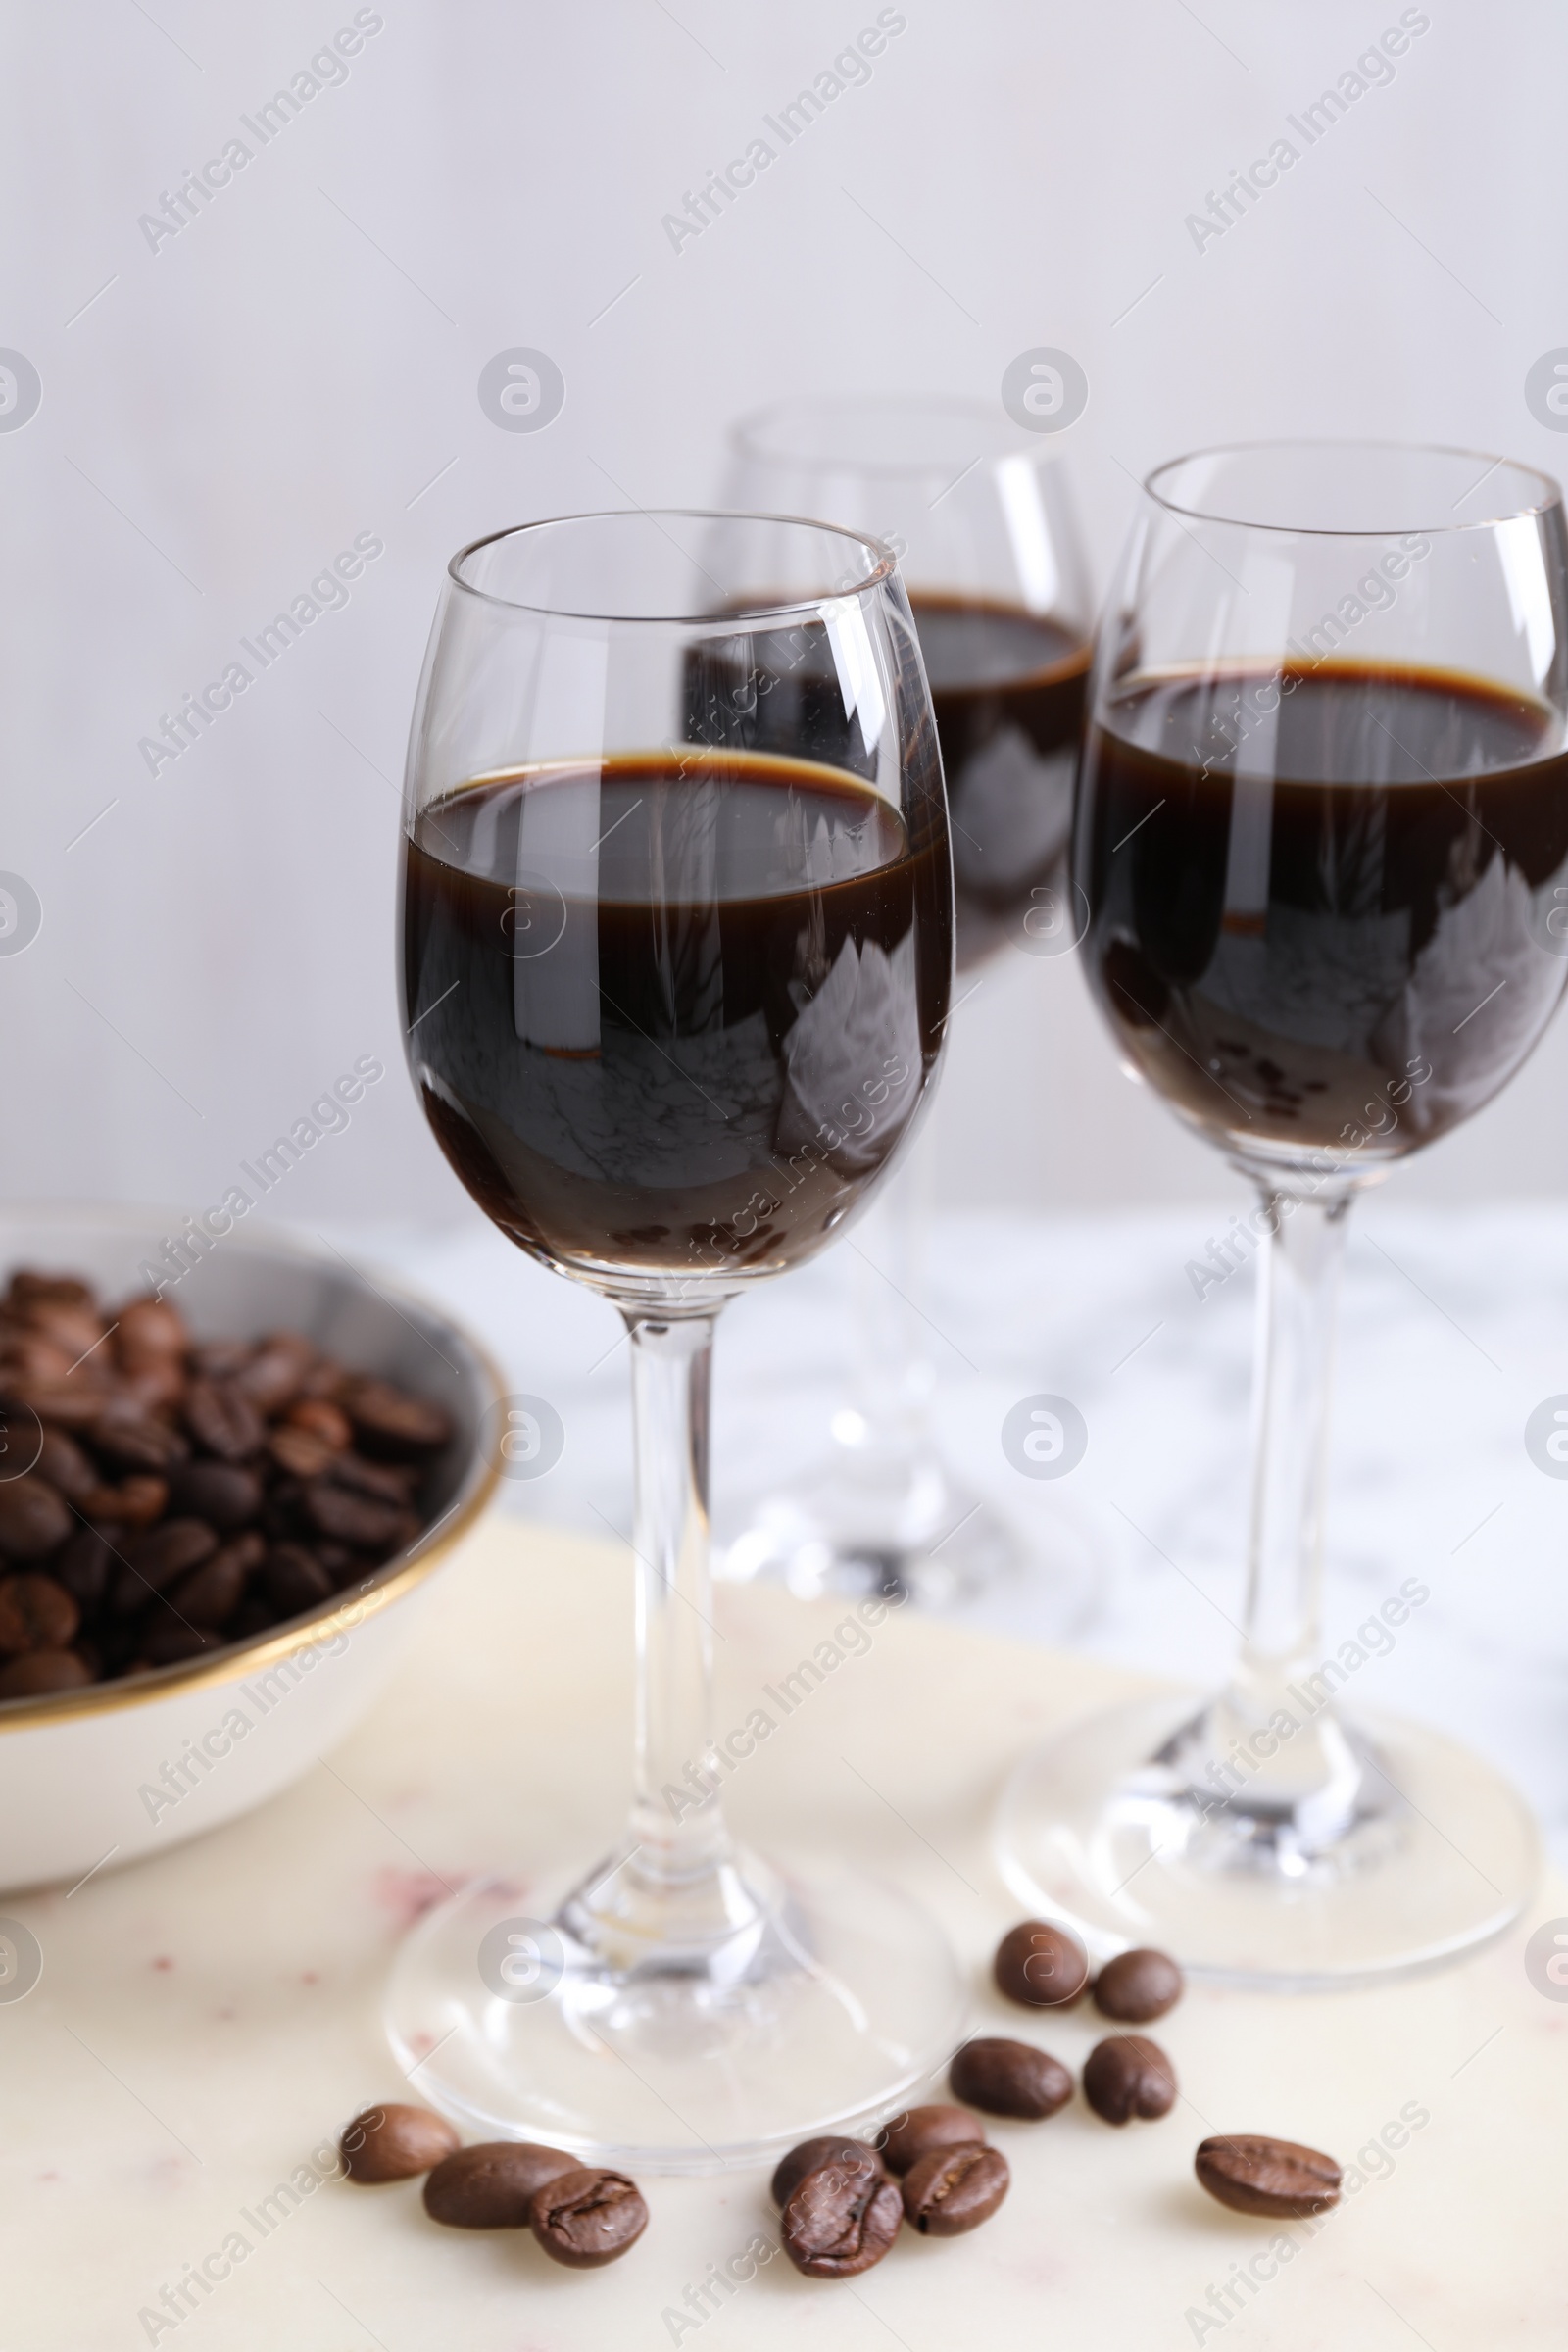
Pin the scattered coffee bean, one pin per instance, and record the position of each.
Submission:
(1042, 1965)
(587, 2217)
(921, 2130)
(395, 2143)
(1138, 1987)
(493, 2186)
(831, 2149)
(1009, 2078)
(1127, 2075)
(1277, 2178)
(955, 2188)
(840, 2219)
(38, 1672)
(34, 1520)
(35, 1613)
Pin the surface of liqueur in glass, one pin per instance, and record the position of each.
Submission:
(672, 1010)
(1319, 895)
(1009, 689)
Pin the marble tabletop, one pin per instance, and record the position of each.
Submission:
(1455, 1329)
(207, 2019)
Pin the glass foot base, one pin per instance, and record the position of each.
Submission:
(831, 2000)
(864, 1525)
(1101, 1828)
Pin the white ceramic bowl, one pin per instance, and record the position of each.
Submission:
(121, 1769)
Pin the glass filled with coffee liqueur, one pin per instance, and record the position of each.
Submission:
(677, 962)
(1322, 830)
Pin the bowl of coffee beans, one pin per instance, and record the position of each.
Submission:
(224, 1475)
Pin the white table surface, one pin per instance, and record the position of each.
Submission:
(1454, 1327)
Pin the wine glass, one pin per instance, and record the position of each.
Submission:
(678, 944)
(1322, 817)
(989, 548)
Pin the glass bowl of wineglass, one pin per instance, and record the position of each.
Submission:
(677, 952)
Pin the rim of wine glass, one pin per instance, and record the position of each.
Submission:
(759, 608)
(1303, 530)
(744, 433)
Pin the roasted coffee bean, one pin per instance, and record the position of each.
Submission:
(35, 1613)
(135, 1502)
(149, 1327)
(28, 1287)
(1009, 2078)
(40, 1670)
(34, 1520)
(349, 1518)
(388, 1421)
(156, 1385)
(132, 1440)
(253, 1616)
(834, 2147)
(840, 2219)
(921, 2130)
(588, 2217)
(223, 1493)
(1277, 2178)
(221, 1360)
(1138, 1987)
(155, 1560)
(1042, 1965)
(338, 1561)
(299, 1451)
(222, 1417)
(1128, 2074)
(326, 1378)
(394, 2143)
(323, 1420)
(61, 1403)
(276, 1372)
(387, 1482)
(62, 1465)
(292, 1581)
(211, 1593)
(84, 1564)
(956, 2188)
(68, 1325)
(171, 1643)
(493, 2186)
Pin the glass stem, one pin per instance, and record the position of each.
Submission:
(1272, 1746)
(677, 1814)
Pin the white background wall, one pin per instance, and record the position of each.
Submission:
(299, 365)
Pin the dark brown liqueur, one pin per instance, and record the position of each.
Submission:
(1319, 896)
(1008, 690)
(674, 1012)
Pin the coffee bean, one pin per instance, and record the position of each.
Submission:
(1138, 1987)
(155, 1560)
(299, 1451)
(955, 2188)
(63, 1403)
(293, 1581)
(133, 1440)
(1128, 2074)
(62, 1465)
(253, 1616)
(210, 1595)
(394, 2143)
(840, 2219)
(1009, 2078)
(493, 2186)
(323, 1420)
(30, 1289)
(34, 1520)
(150, 1327)
(350, 1518)
(223, 1493)
(1278, 2179)
(222, 1418)
(134, 1502)
(1042, 1965)
(41, 1671)
(83, 1566)
(587, 2217)
(221, 1360)
(35, 1613)
(276, 1372)
(388, 1482)
(832, 2149)
(920, 2131)
(387, 1420)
